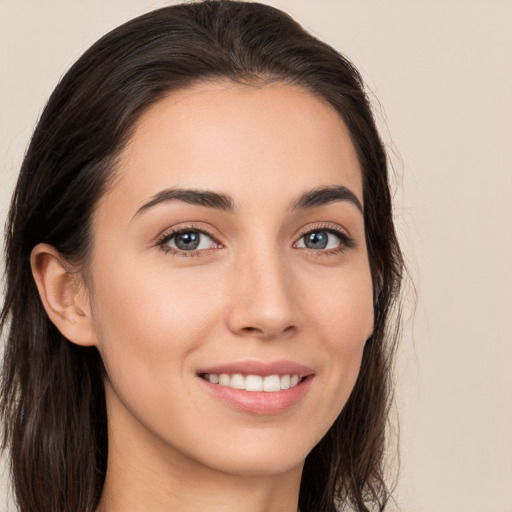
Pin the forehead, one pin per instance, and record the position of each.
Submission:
(239, 139)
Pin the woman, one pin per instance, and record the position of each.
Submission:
(201, 264)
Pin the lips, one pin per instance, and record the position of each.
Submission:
(258, 387)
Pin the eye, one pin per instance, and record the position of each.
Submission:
(324, 240)
(187, 240)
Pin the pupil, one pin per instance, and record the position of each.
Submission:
(316, 240)
(187, 241)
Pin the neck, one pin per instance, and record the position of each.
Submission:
(144, 475)
(144, 492)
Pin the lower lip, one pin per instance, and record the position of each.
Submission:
(260, 402)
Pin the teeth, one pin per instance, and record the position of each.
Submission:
(224, 379)
(237, 381)
(285, 382)
(269, 383)
(253, 383)
(214, 379)
(272, 383)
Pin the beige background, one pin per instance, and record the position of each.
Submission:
(442, 71)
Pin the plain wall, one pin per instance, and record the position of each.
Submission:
(442, 71)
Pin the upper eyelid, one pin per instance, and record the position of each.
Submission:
(170, 232)
(325, 226)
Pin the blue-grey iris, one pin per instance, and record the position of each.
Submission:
(316, 240)
(187, 241)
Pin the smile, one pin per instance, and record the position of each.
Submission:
(258, 387)
(268, 383)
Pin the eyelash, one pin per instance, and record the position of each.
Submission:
(167, 236)
(346, 242)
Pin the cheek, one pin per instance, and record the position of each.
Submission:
(344, 322)
(147, 324)
(344, 310)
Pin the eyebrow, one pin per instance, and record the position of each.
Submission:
(325, 195)
(310, 199)
(190, 196)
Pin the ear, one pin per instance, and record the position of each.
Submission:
(63, 295)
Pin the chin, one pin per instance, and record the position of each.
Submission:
(261, 466)
(269, 458)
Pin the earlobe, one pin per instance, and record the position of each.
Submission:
(63, 295)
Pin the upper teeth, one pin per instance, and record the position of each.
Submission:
(253, 382)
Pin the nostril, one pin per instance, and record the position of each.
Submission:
(268, 332)
(251, 329)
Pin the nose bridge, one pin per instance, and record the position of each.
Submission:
(263, 299)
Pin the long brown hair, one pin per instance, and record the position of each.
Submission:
(52, 399)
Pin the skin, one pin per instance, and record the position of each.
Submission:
(253, 291)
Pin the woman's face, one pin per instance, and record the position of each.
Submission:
(231, 247)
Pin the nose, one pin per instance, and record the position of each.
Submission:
(264, 302)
